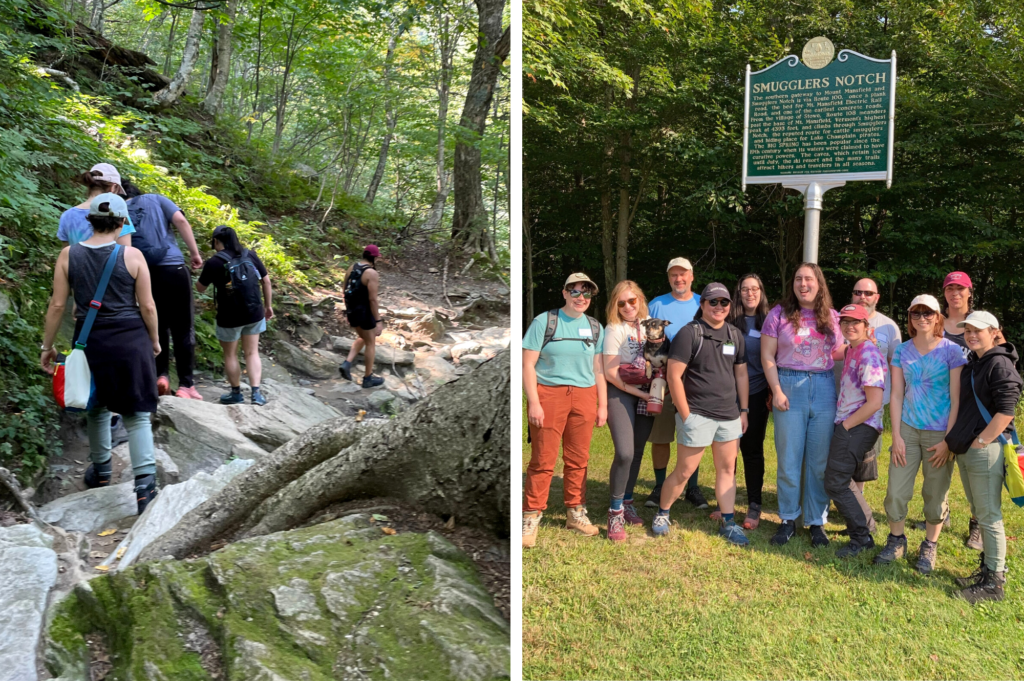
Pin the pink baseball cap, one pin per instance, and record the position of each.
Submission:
(854, 312)
(958, 278)
(373, 250)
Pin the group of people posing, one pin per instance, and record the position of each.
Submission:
(823, 375)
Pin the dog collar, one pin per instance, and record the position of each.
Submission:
(652, 340)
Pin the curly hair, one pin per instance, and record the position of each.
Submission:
(822, 302)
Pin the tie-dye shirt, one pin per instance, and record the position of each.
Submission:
(926, 402)
(865, 368)
(802, 349)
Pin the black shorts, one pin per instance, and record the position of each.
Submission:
(361, 318)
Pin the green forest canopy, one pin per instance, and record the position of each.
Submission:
(633, 125)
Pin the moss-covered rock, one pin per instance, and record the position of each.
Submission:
(334, 601)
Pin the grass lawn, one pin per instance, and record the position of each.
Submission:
(692, 606)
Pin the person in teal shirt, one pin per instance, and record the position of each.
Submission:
(566, 396)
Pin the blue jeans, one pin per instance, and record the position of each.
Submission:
(803, 435)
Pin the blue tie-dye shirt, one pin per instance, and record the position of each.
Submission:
(926, 402)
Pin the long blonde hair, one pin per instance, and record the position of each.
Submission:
(612, 311)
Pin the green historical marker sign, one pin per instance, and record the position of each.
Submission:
(818, 119)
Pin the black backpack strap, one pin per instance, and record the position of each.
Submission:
(595, 329)
(549, 330)
(700, 340)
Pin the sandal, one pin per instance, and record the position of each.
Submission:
(753, 517)
(716, 515)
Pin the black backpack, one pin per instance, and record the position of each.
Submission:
(549, 331)
(242, 287)
(354, 285)
(153, 247)
(698, 332)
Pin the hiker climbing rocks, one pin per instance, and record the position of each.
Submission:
(363, 312)
(238, 275)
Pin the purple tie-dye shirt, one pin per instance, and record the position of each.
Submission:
(865, 368)
(802, 349)
(926, 401)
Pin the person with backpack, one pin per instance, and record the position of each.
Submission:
(238, 276)
(362, 309)
(990, 388)
(74, 226)
(707, 374)
(566, 396)
(120, 345)
(153, 216)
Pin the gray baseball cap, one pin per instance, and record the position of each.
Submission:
(109, 205)
(715, 290)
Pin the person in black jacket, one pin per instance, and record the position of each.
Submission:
(990, 387)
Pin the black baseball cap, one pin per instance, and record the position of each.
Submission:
(217, 233)
(715, 290)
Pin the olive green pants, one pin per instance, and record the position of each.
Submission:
(935, 489)
(981, 471)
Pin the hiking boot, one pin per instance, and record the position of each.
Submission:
(733, 534)
(785, 532)
(926, 557)
(820, 539)
(974, 536)
(895, 547)
(163, 386)
(660, 525)
(372, 381)
(989, 587)
(576, 520)
(531, 522)
(616, 526)
(695, 497)
(98, 475)
(232, 397)
(853, 548)
(972, 578)
(630, 514)
(145, 490)
(188, 391)
(258, 398)
(654, 499)
(346, 370)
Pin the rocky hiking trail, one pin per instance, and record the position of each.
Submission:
(376, 583)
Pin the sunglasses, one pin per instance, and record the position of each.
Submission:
(922, 315)
(631, 302)
(724, 302)
(587, 295)
(865, 294)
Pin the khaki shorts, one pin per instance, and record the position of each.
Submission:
(664, 430)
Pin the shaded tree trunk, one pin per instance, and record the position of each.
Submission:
(390, 115)
(469, 222)
(170, 94)
(221, 67)
(527, 247)
(170, 43)
(449, 454)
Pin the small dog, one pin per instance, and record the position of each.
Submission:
(656, 348)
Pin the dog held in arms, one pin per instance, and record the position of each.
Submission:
(656, 349)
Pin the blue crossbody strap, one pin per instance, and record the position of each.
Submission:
(97, 301)
(988, 417)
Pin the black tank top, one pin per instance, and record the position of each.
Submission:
(356, 293)
(85, 266)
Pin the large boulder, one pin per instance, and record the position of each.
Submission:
(93, 509)
(433, 370)
(432, 325)
(28, 569)
(340, 600)
(312, 364)
(200, 436)
(384, 356)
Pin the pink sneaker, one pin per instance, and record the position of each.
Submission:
(629, 511)
(616, 526)
(189, 393)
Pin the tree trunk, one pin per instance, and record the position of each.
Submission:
(607, 219)
(390, 115)
(449, 454)
(259, 57)
(170, 94)
(527, 247)
(469, 221)
(446, 43)
(170, 43)
(622, 233)
(219, 81)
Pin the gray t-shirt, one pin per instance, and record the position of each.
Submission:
(151, 215)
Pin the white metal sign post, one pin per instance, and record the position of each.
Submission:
(818, 124)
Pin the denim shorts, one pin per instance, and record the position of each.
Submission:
(700, 431)
(232, 334)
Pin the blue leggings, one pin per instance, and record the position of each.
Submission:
(140, 439)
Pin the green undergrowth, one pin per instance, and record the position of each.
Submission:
(691, 605)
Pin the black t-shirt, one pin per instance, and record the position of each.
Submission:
(709, 378)
(229, 314)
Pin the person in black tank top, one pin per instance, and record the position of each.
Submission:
(363, 313)
(121, 347)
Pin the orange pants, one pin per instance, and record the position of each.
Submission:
(569, 416)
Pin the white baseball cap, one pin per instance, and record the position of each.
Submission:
(108, 173)
(925, 300)
(979, 319)
(109, 205)
(679, 262)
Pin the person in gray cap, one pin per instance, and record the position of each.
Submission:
(707, 374)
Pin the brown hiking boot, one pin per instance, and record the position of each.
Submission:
(576, 519)
(531, 522)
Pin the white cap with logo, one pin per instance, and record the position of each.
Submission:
(979, 319)
(679, 262)
(925, 300)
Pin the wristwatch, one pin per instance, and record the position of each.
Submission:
(744, 411)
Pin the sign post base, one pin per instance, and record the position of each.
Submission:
(813, 193)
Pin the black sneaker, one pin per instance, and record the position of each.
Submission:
(695, 497)
(372, 381)
(145, 490)
(988, 588)
(853, 548)
(98, 475)
(346, 370)
(654, 498)
(895, 548)
(785, 532)
(973, 540)
(975, 576)
(819, 539)
(926, 557)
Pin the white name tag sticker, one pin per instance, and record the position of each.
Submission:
(754, 333)
(804, 331)
(586, 333)
(728, 349)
